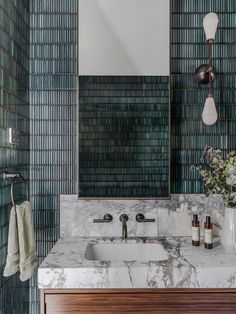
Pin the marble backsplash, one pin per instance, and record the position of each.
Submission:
(173, 217)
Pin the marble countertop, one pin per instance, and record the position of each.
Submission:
(187, 267)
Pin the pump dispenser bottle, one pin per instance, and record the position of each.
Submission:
(195, 231)
(208, 239)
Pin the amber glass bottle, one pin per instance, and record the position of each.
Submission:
(208, 240)
(195, 231)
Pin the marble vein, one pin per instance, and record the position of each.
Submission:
(173, 217)
(186, 267)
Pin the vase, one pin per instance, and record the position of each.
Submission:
(228, 238)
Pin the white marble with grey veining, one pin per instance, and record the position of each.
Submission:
(173, 217)
(186, 267)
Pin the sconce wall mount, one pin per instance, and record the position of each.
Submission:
(205, 74)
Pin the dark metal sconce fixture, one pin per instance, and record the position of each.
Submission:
(205, 73)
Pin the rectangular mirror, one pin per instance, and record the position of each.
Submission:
(124, 107)
(124, 37)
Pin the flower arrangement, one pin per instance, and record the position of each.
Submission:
(219, 174)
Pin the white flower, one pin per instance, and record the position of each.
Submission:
(230, 171)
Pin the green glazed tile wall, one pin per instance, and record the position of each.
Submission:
(123, 136)
(53, 106)
(189, 134)
(188, 51)
(53, 54)
(14, 112)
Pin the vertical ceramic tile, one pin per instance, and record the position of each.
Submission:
(53, 98)
(124, 136)
(14, 112)
(188, 51)
(53, 106)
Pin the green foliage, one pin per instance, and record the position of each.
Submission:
(219, 174)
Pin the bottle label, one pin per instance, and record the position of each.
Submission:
(195, 234)
(208, 236)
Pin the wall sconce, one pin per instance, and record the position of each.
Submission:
(205, 73)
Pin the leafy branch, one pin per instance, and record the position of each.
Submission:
(219, 174)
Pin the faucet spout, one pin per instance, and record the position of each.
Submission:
(124, 218)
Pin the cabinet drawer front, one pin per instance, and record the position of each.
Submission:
(141, 302)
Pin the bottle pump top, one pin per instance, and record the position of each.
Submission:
(195, 218)
(208, 220)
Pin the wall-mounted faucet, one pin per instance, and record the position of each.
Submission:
(141, 218)
(106, 218)
(124, 218)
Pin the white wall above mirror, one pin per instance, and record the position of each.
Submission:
(124, 37)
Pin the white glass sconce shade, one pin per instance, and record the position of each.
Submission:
(209, 113)
(210, 23)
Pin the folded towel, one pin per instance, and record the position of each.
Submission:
(13, 256)
(21, 243)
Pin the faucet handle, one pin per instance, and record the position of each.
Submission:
(124, 217)
(106, 218)
(141, 218)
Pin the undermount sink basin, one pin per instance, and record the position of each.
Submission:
(141, 252)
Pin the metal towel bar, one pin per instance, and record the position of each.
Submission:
(16, 178)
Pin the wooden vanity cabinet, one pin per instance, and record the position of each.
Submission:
(130, 301)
